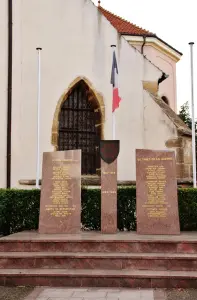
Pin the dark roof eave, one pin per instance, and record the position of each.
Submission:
(145, 35)
(169, 45)
(155, 36)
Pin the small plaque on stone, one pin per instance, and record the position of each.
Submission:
(60, 204)
(156, 195)
(109, 151)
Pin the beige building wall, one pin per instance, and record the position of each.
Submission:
(158, 127)
(161, 133)
(168, 87)
(76, 41)
(72, 49)
(168, 65)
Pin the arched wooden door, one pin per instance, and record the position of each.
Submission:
(77, 126)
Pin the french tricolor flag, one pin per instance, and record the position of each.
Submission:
(114, 82)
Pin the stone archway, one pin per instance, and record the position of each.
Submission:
(70, 136)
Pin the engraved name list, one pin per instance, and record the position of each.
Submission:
(60, 207)
(157, 206)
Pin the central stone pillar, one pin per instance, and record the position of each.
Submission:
(109, 151)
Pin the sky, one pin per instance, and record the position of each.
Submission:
(174, 21)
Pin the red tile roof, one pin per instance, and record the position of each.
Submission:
(123, 26)
(127, 28)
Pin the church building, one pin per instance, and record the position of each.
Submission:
(76, 93)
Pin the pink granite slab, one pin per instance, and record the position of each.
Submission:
(108, 197)
(60, 205)
(157, 205)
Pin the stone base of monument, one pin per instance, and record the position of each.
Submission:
(95, 260)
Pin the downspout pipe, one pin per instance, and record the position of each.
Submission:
(162, 78)
(9, 96)
(144, 42)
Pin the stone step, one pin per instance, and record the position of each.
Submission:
(81, 245)
(98, 278)
(113, 261)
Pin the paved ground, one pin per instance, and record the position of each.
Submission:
(95, 294)
(26, 293)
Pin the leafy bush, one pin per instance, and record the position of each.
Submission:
(91, 209)
(188, 209)
(19, 209)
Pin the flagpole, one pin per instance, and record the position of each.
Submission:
(38, 119)
(114, 125)
(113, 113)
(193, 118)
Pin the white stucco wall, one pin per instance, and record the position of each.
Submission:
(3, 90)
(76, 41)
(168, 87)
(158, 127)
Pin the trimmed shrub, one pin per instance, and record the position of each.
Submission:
(91, 209)
(188, 209)
(19, 209)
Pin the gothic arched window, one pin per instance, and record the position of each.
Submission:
(77, 126)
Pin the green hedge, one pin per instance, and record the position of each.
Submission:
(188, 209)
(19, 209)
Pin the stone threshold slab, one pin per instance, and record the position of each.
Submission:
(99, 273)
(149, 256)
(92, 236)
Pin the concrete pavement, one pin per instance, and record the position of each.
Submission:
(95, 294)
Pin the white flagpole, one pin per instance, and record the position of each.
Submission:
(114, 125)
(113, 113)
(193, 118)
(38, 119)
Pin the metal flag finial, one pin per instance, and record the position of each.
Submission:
(99, 2)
